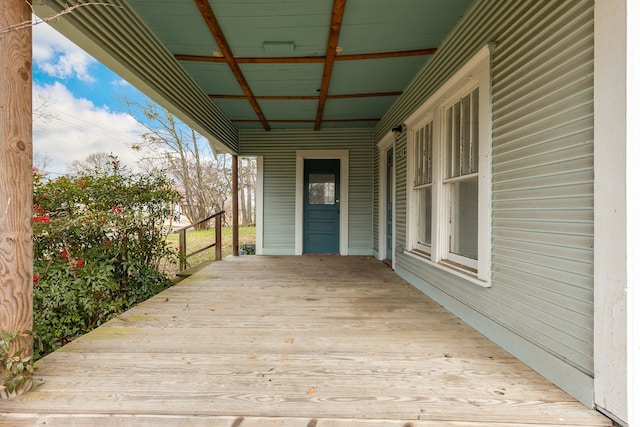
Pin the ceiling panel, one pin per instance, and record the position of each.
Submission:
(178, 24)
(290, 110)
(283, 79)
(213, 78)
(383, 26)
(357, 108)
(237, 109)
(378, 75)
(248, 24)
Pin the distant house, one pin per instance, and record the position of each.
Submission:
(501, 181)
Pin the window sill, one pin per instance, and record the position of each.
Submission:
(449, 268)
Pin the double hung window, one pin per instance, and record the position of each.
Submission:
(423, 183)
(448, 188)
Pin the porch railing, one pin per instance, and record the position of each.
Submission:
(183, 240)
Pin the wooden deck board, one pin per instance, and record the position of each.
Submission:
(290, 341)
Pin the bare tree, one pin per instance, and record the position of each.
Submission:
(247, 189)
(202, 178)
(42, 111)
(99, 162)
(41, 162)
(36, 21)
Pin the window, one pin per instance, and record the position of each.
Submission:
(448, 188)
(423, 181)
(461, 178)
(322, 189)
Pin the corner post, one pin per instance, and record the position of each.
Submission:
(234, 201)
(616, 209)
(16, 175)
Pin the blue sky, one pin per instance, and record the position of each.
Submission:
(83, 104)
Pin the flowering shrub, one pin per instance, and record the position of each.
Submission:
(98, 240)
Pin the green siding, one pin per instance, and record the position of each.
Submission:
(540, 304)
(278, 148)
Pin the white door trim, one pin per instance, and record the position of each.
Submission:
(259, 204)
(383, 146)
(343, 156)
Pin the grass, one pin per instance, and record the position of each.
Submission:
(200, 238)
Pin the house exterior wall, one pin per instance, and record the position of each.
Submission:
(539, 305)
(278, 149)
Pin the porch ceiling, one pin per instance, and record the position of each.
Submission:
(224, 65)
(304, 63)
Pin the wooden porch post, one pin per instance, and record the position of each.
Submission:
(234, 201)
(16, 181)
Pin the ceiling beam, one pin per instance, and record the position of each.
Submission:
(384, 55)
(308, 97)
(309, 59)
(330, 56)
(223, 45)
(309, 120)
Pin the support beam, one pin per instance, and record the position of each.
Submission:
(309, 97)
(309, 59)
(330, 57)
(234, 201)
(16, 181)
(216, 31)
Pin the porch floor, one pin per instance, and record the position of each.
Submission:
(303, 341)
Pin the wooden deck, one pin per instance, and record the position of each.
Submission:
(307, 341)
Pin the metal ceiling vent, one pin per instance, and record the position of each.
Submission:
(282, 48)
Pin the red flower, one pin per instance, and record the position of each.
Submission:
(39, 209)
(79, 264)
(64, 254)
(36, 278)
(42, 218)
(116, 209)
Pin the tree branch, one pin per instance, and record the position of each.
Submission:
(37, 21)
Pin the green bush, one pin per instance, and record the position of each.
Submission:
(98, 239)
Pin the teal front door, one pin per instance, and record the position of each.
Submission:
(322, 206)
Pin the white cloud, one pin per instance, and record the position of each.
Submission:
(76, 128)
(58, 57)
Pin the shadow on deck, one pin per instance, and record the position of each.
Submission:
(305, 341)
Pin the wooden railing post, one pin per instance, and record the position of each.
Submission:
(182, 248)
(182, 233)
(218, 237)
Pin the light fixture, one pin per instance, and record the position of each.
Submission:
(397, 131)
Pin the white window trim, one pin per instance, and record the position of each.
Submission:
(476, 72)
(343, 156)
(384, 145)
(413, 208)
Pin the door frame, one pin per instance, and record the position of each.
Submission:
(386, 143)
(343, 156)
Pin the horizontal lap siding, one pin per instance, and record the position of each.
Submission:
(542, 179)
(542, 239)
(278, 148)
(401, 193)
